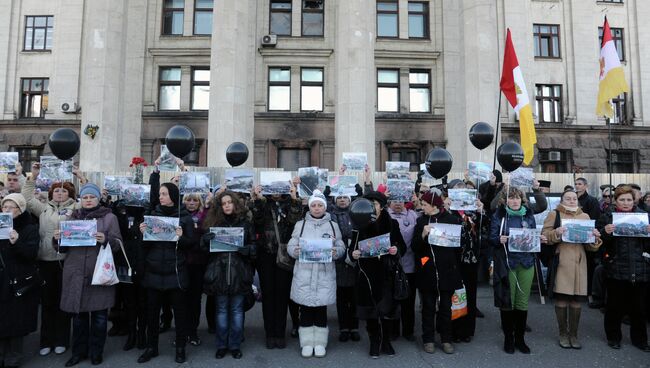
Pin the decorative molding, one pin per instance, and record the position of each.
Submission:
(180, 51)
(277, 52)
(407, 54)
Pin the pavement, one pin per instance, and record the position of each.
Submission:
(484, 351)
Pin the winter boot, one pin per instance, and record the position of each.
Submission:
(306, 335)
(320, 341)
(386, 327)
(561, 314)
(508, 327)
(520, 331)
(574, 321)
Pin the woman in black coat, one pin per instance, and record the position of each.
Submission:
(376, 277)
(18, 301)
(165, 272)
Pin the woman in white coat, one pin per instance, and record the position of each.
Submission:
(314, 283)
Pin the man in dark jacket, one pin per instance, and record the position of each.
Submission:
(591, 207)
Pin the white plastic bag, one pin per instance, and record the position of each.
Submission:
(105, 274)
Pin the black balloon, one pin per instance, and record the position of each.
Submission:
(237, 153)
(179, 140)
(481, 135)
(510, 156)
(438, 162)
(64, 143)
(361, 212)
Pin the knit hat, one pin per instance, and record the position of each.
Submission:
(18, 199)
(377, 196)
(453, 183)
(433, 198)
(174, 194)
(317, 196)
(92, 189)
(499, 177)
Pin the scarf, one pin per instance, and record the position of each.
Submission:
(521, 212)
(570, 209)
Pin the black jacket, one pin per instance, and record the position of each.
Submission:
(287, 213)
(165, 261)
(345, 273)
(230, 273)
(129, 219)
(441, 270)
(623, 255)
(589, 206)
(18, 315)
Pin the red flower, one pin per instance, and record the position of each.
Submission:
(135, 161)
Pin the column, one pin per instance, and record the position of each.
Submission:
(355, 79)
(232, 79)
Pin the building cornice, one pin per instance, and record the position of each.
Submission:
(180, 51)
(282, 52)
(616, 129)
(406, 54)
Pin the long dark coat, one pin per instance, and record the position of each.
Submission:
(78, 294)
(18, 315)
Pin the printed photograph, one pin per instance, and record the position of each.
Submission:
(275, 182)
(195, 182)
(398, 170)
(6, 224)
(136, 195)
(114, 184)
(226, 239)
(78, 233)
(524, 240)
(8, 161)
(479, 171)
(552, 200)
(239, 180)
(53, 170)
(445, 235)
(342, 185)
(579, 231)
(160, 228)
(315, 250)
(522, 177)
(630, 224)
(167, 160)
(400, 190)
(463, 199)
(322, 178)
(355, 161)
(309, 180)
(374, 247)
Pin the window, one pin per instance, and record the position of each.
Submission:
(553, 161)
(547, 40)
(200, 89)
(203, 17)
(548, 107)
(33, 102)
(311, 89)
(387, 18)
(290, 159)
(279, 89)
(419, 91)
(617, 37)
(312, 17)
(280, 23)
(623, 161)
(610, 1)
(411, 155)
(38, 33)
(620, 110)
(173, 17)
(418, 20)
(169, 97)
(28, 155)
(193, 158)
(388, 90)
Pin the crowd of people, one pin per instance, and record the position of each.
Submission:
(167, 279)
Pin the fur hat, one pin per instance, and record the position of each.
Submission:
(377, 196)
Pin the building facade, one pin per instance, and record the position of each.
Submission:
(302, 81)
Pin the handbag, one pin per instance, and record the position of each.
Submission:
(282, 259)
(124, 273)
(104, 274)
(24, 284)
(459, 303)
(401, 288)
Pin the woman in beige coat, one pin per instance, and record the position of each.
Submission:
(570, 284)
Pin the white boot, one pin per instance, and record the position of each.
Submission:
(306, 335)
(320, 341)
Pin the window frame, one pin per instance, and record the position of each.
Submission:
(420, 86)
(33, 27)
(194, 83)
(20, 149)
(634, 162)
(320, 84)
(312, 11)
(166, 10)
(564, 160)
(199, 10)
(389, 85)
(277, 84)
(617, 40)
(43, 92)
(610, 1)
(539, 103)
(425, 15)
(620, 106)
(395, 12)
(162, 83)
(539, 37)
(290, 11)
(404, 150)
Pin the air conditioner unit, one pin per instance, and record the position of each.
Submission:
(554, 155)
(70, 107)
(269, 40)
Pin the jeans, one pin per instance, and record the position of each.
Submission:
(89, 333)
(230, 321)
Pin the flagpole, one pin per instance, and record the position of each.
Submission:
(609, 148)
(496, 135)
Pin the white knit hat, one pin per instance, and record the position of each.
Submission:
(317, 195)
